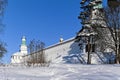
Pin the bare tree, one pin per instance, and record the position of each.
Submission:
(3, 50)
(36, 49)
(112, 18)
(41, 54)
(32, 47)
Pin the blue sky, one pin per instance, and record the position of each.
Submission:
(44, 20)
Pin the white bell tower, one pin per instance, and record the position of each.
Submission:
(23, 47)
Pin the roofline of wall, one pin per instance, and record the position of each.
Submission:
(60, 43)
(54, 45)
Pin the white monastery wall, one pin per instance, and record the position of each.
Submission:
(56, 52)
(69, 52)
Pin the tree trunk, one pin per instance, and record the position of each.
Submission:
(117, 55)
(89, 55)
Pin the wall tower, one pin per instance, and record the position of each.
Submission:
(23, 47)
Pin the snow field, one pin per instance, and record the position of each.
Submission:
(61, 72)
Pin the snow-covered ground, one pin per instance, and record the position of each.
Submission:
(61, 72)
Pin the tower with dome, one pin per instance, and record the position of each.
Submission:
(17, 57)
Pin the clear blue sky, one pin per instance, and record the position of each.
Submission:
(44, 20)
